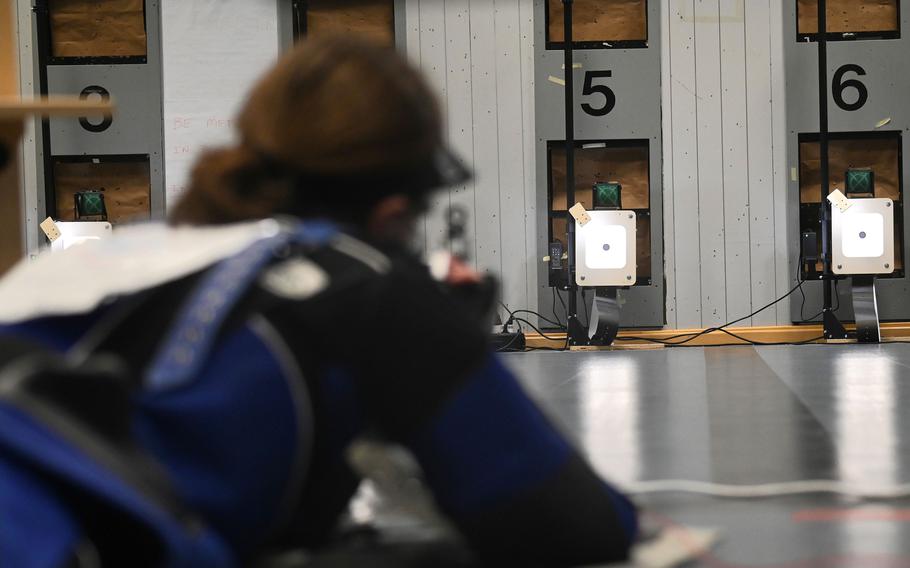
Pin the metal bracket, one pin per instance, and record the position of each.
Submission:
(605, 312)
(865, 309)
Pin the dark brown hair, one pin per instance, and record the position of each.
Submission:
(336, 125)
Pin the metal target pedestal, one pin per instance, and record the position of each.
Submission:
(603, 324)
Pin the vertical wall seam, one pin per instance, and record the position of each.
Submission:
(473, 130)
(723, 161)
(701, 291)
(498, 132)
(748, 162)
(774, 177)
(672, 169)
(445, 58)
(524, 173)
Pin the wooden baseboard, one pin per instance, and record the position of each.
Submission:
(769, 334)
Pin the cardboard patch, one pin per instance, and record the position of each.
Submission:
(849, 16)
(881, 154)
(628, 166)
(366, 19)
(10, 210)
(600, 20)
(126, 187)
(88, 28)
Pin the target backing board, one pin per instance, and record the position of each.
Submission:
(869, 117)
(617, 118)
(119, 155)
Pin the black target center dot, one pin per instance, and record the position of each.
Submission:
(606, 247)
(862, 234)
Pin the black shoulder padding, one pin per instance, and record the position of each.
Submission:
(569, 521)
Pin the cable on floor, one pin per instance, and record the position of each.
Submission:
(783, 489)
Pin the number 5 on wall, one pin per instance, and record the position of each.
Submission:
(590, 89)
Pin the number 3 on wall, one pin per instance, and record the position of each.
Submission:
(590, 89)
(106, 119)
(838, 86)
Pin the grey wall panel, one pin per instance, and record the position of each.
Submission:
(635, 76)
(136, 93)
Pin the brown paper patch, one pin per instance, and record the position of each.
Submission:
(126, 187)
(880, 154)
(9, 64)
(628, 166)
(600, 20)
(93, 28)
(642, 241)
(10, 207)
(373, 20)
(849, 16)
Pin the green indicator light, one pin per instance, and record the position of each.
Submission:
(90, 204)
(860, 181)
(607, 195)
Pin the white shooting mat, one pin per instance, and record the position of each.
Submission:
(213, 52)
(83, 277)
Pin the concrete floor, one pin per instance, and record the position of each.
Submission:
(747, 415)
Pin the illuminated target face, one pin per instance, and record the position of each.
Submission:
(606, 247)
(863, 235)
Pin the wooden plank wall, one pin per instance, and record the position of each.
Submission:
(724, 159)
(724, 151)
(479, 57)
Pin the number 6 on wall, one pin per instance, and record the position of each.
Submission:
(838, 86)
(590, 89)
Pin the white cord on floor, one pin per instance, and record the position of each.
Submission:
(768, 490)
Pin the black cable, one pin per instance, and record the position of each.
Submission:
(693, 336)
(565, 308)
(689, 337)
(553, 308)
(537, 329)
(505, 326)
(546, 319)
(507, 348)
(799, 279)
